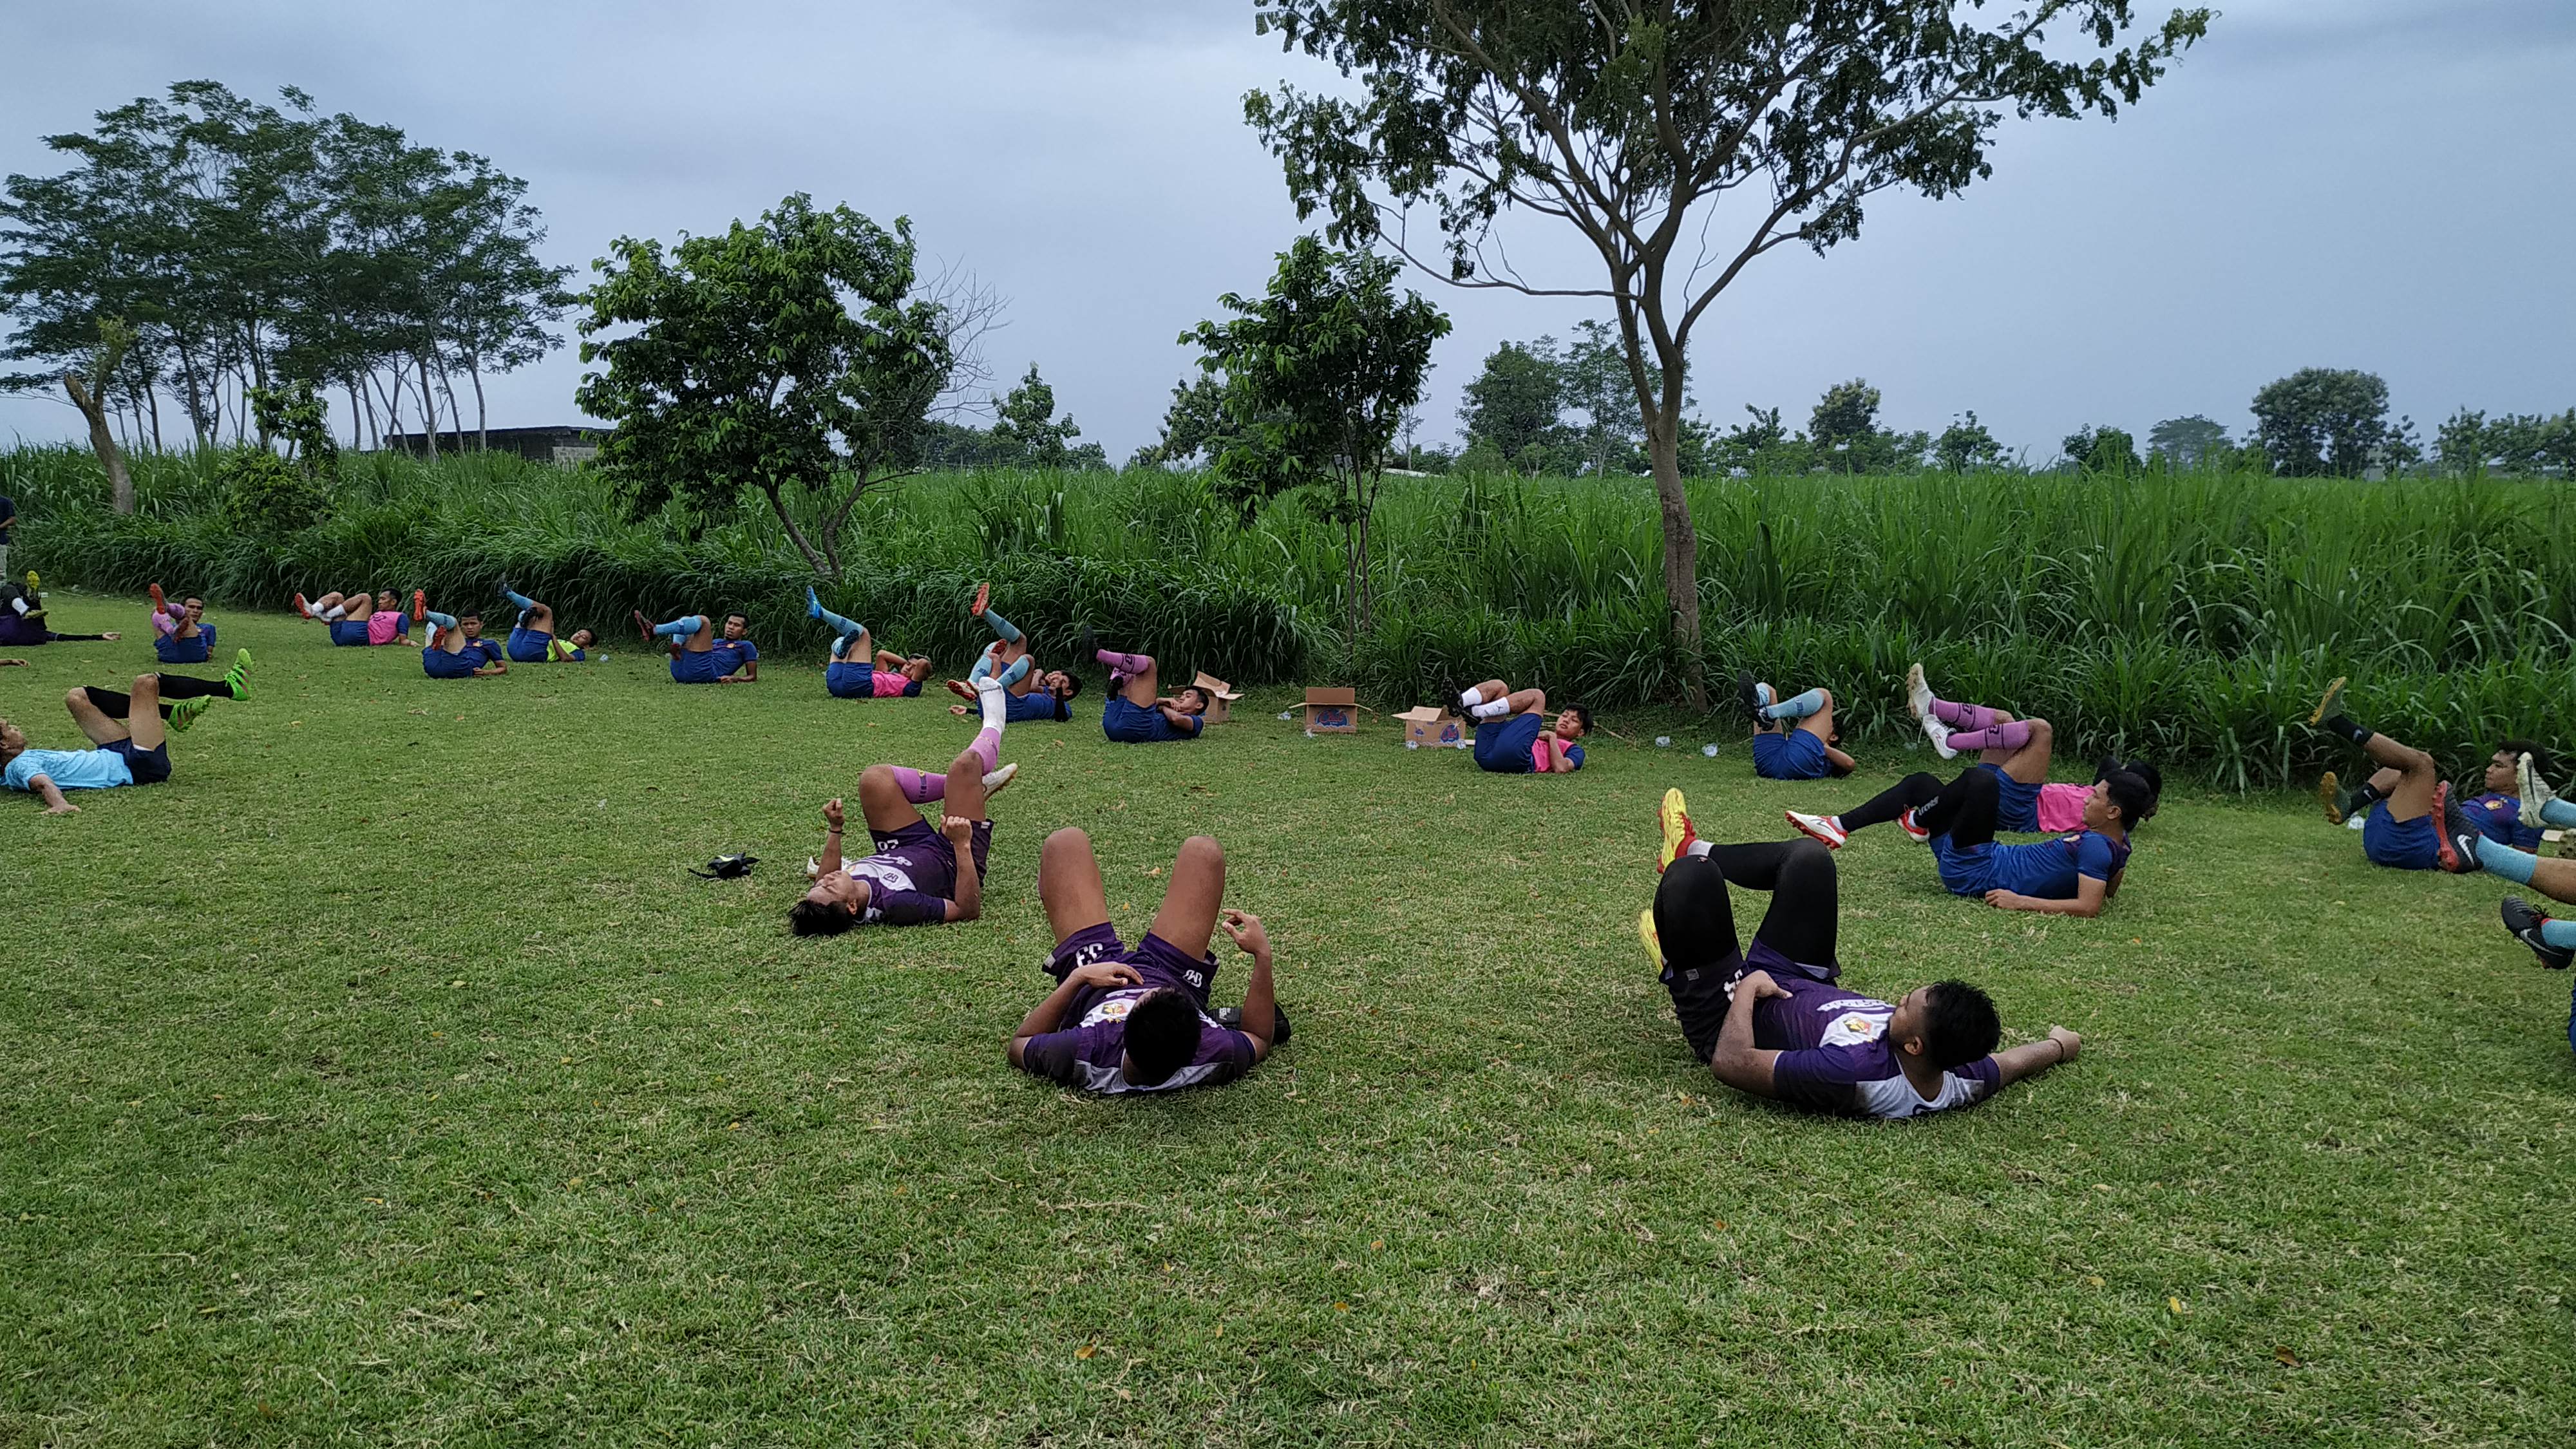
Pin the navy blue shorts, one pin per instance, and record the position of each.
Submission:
(2016, 804)
(1796, 755)
(1130, 723)
(1503, 746)
(149, 767)
(2401, 844)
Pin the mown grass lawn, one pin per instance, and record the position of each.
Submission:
(385, 1079)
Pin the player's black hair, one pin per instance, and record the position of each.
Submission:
(736, 614)
(1162, 1036)
(1582, 715)
(809, 917)
(2132, 797)
(2543, 763)
(2153, 778)
(1959, 1024)
(1072, 685)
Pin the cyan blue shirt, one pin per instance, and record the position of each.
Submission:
(68, 769)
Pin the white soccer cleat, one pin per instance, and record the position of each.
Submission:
(813, 868)
(2535, 791)
(995, 780)
(1818, 827)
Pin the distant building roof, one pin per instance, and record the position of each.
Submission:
(544, 445)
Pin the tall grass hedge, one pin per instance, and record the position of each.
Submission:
(2192, 617)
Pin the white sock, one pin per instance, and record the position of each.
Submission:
(1496, 710)
(338, 612)
(996, 702)
(1696, 848)
(1470, 698)
(18, 604)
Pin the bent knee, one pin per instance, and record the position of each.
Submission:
(1069, 837)
(1202, 850)
(1827, 696)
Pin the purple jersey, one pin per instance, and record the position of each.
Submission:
(1834, 1053)
(913, 874)
(2499, 818)
(1087, 1052)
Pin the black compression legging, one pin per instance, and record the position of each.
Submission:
(1695, 919)
(116, 704)
(1915, 790)
(1965, 809)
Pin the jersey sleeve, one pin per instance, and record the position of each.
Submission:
(1981, 1075)
(750, 650)
(20, 772)
(1054, 1055)
(2093, 856)
(1198, 722)
(1822, 1076)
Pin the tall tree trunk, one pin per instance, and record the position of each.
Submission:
(120, 484)
(393, 401)
(1681, 554)
(796, 535)
(428, 406)
(155, 395)
(455, 414)
(482, 419)
(357, 419)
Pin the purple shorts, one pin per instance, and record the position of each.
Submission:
(1158, 961)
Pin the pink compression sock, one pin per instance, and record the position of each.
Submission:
(1964, 716)
(2009, 735)
(1129, 664)
(988, 748)
(918, 787)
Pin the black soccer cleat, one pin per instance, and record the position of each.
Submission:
(1231, 1017)
(1748, 692)
(2525, 924)
(2459, 844)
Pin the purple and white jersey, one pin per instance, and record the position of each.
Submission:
(913, 873)
(1087, 1054)
(1834, 1052)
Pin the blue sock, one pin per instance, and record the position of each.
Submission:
(444, 621)
(519, 601)
(983, 668)
(2558, 933)
(813, 604)
(843, 627)
(2514, 865)
(1798, 707)
(680, 628)
(1003, 628)
(2560, 813)
(1018, 671)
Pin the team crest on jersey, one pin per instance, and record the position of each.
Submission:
(1853, 1027)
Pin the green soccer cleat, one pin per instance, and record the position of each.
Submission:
(183, 714)
(237, 678)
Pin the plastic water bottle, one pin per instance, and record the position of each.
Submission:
(1663, 742)
(1709, 750)
(1287, 714)
(1413, 744)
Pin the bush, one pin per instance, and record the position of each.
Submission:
(2190, 616)
(268, 497)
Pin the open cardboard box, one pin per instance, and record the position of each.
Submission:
(1332, 710)
(1431, 726)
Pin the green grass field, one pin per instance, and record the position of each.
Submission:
(385, 1079)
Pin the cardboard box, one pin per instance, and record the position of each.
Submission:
(1332, 711)
(1221, 697)
(1432, 726)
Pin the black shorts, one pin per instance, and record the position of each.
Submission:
(1701, 995)
(150, 767)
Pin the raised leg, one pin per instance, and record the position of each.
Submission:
(1188, 917)
(1069, 884)
(882, 802)
(1694, 916)
(2410, 794)
(2027, 764)
(1965, 810)
(1820, 722)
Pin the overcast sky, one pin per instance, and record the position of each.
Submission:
(2379, 184)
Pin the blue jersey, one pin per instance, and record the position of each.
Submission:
(1037, 707)
(2045, 870)
(725, 658)
(437, 663)
(2499, 818)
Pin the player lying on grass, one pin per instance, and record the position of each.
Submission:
(1773, 1020)
(856, 668)
(1037, 696)
(698, 656)
(357, 619)
(1514, 735)
(2413, 823)
(1135, 1019)
(2497, 813)
(2075, 874)
(533, 639)
(180, 635)
(1136, 711)
(22, 618)
(130, 748)
(914, 875)
(456, 647)
(1807, 750)
(2538, 806)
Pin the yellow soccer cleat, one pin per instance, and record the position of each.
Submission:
(2334, 692)
(1646, 933)
(2330, 796)
(1678, 834)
